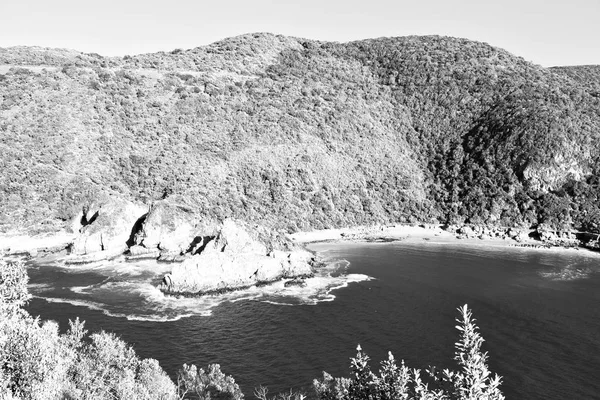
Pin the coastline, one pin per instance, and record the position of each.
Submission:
(50, 245)
(31, 245)
(422, 233)
(372, 233)
(184, 280)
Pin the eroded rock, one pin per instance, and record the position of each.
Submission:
(169, 227)
(299, 282)
(233, 238)
(107, 227)
(234, 260)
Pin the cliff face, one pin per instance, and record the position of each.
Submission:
(291, 134)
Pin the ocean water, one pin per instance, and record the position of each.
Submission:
(538, 310)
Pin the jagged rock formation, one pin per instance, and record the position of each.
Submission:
(292, 134)
(232, 260)
(106, 226)
(168, 227)
(213, 256)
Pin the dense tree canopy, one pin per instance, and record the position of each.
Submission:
(296, 134)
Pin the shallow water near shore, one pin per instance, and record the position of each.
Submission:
(539, 312)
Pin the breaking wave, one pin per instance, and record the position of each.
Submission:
(129, 290)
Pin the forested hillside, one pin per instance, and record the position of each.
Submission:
(296, 134)
(587, 75)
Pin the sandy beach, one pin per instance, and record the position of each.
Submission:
(13, 244)
(388, 233)
(426, 233)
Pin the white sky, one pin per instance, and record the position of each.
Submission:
(546, 32)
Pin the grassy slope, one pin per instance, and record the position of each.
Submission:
(298, 134)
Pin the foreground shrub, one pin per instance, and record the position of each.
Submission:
(261, 393)
(473, 380)
(31, 363)
(107, 368)
(13, 287)
(36, 362)
(206, 385)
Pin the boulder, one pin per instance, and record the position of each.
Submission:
(518, 234)
(466, 231)
(299, 282)
(109, 227)
(168, 226)
(522, 236)
(142, 253)
(233, 238)
(545, 234)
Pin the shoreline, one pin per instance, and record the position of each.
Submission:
(53, 244)
(433, 234)
(311, 242)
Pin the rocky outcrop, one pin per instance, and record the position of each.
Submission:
(562, 167)
(142, 253)
(552, 237)
(232, 260)
(518, 234)
(34, 246)
(106, 227)
(169, 227)
(543, 236)
(297, 282)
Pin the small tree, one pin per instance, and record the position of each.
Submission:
(13, 286)
(207, 385)
(261, 393)
(31, 362)
(393, 380)
(472, 382)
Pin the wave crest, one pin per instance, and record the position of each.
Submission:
(131, 293)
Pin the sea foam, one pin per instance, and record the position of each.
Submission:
(129, 291)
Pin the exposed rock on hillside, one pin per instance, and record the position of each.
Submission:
(107, 227)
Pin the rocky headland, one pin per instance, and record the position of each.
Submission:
(207, 256)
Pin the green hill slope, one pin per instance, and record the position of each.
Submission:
(587, 75)
(297, 134)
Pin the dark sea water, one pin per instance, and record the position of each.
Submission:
(539, 312)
